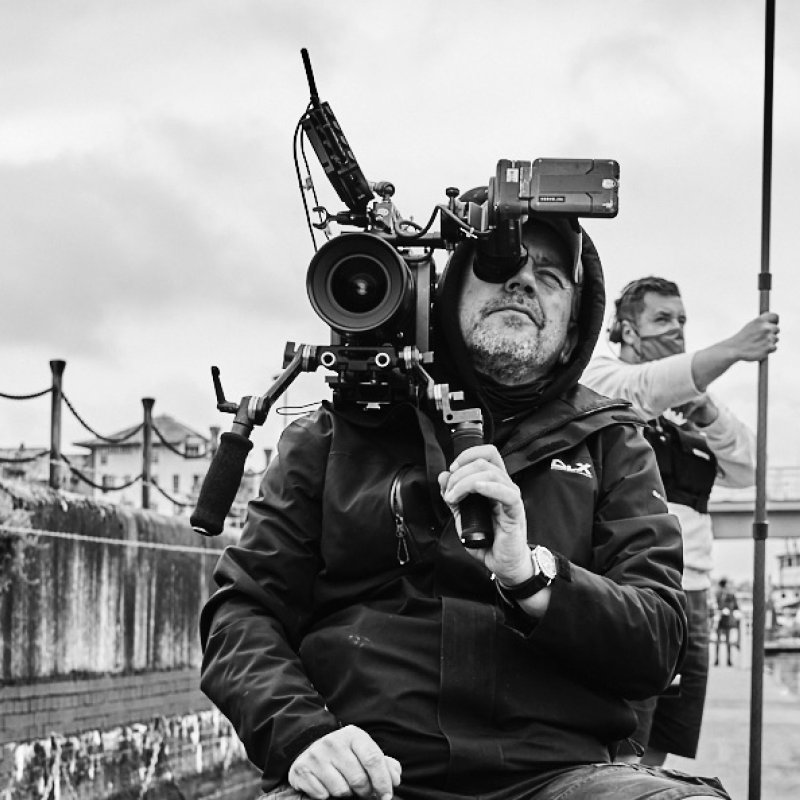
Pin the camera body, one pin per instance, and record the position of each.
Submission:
(375, 288)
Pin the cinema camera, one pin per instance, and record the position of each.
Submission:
(375, 289)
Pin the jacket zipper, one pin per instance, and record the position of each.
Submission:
(400, 530)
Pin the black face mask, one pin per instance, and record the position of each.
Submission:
(661, 345)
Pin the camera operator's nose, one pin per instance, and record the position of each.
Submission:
(523, 280)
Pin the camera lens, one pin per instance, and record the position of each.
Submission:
(359, 285)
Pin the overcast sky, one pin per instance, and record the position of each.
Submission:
(150, 223)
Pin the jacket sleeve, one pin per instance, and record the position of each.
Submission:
(251, 627)
(651, 387)
(619, 622)
(734, 445)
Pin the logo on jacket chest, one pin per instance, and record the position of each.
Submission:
(578, 468)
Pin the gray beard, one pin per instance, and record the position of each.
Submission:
(506, 358)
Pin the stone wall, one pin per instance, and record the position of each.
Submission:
(100, 654)
(96, 588)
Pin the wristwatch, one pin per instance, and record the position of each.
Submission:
(544, 572)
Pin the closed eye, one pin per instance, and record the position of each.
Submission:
(552, 277)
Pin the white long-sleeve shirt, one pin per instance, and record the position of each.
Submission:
(653, 388)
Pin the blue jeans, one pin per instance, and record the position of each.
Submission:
(586, 782)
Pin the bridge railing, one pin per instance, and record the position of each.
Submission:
(783, 483)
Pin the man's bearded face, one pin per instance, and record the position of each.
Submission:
(516, 331)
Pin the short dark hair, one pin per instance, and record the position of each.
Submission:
(631, 301)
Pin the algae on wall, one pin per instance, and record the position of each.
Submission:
(94, 596)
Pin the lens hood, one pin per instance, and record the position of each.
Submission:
(358, 283)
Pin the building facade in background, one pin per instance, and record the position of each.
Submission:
(32, 464)
(785, 594)
(179, 460)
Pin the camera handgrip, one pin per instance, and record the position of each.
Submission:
(221, 484)
(477, 527)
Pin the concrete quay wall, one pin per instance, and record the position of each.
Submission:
(100, 654)
(92, 589)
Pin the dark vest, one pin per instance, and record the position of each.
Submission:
(688, 467)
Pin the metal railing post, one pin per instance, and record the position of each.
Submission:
(147, 448)
(57, 370)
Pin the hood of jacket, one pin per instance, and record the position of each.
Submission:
(453, 364)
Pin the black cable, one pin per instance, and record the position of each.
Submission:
(26, 396)
(297, 132)
(296, 411)
(325, 232)
(25, 460)
(89, 428)
(446, 211)
(421, 231)
(174, 449)
(78, 474)
(409, 223)
(171, 499)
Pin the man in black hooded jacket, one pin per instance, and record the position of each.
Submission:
(357, 646)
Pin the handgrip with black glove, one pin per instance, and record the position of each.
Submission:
(221, 484)
(477, 527)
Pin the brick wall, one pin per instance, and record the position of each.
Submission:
(68, 707)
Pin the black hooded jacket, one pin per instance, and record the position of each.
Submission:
(350, 600)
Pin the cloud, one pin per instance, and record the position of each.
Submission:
(150, 223)
(90, 236)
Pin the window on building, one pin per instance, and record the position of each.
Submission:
(176, 483)
(154, 454)
(104, 455)
(192, 449)
(108, 482)
(196, 482)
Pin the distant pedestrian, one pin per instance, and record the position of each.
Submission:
(728, 619)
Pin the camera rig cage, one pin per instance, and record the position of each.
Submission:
(374, 287)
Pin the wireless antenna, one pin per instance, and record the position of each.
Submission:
(312, 85)
(333, 151)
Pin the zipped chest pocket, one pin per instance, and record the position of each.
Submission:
(415, 527)
(401, 532)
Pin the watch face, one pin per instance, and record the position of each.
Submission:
(546, 561)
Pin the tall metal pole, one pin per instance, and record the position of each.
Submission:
(147, 449)
(760, 524)
(57, 370)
